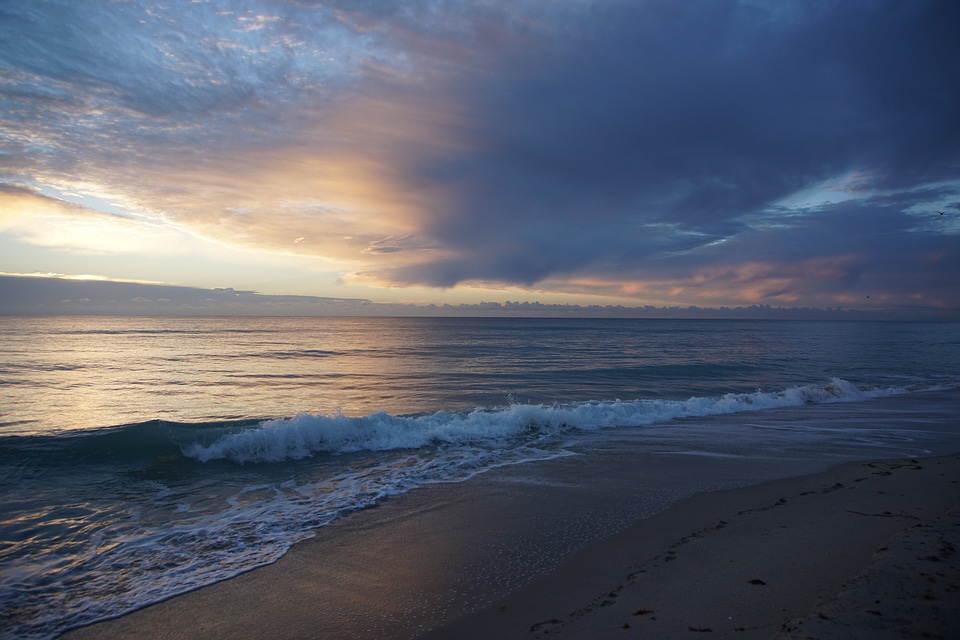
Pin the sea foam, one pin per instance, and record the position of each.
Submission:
(305, 435)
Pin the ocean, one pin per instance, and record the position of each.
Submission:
(145, 457)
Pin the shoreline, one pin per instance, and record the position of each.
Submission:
(384, 572)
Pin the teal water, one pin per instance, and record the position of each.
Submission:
(144, 457)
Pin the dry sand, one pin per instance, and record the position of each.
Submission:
(867, 550)
(863, 550)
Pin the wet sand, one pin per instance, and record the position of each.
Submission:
(857, 551)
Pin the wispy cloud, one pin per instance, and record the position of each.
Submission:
(61, 224)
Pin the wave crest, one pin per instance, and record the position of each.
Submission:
(306, 435)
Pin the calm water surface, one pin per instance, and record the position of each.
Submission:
(86, 373)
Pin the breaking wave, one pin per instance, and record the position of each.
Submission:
(307, 435)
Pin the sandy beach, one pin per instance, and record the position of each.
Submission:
(866, 550)
(861, 550)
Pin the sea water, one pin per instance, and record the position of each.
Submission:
(144, 457)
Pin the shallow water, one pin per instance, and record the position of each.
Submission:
(144, 457)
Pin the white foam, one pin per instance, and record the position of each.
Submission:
(305, 435)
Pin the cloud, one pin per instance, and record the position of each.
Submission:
(51, 294)
(55, 295)
(45, 221)
(656, 150)
(665, 128)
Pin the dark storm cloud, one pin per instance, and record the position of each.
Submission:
(844, 251)
(663, 125)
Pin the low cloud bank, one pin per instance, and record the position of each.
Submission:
(29, 295)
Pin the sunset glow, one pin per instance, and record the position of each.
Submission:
(611, 153)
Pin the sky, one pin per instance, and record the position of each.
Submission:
(573, 152)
